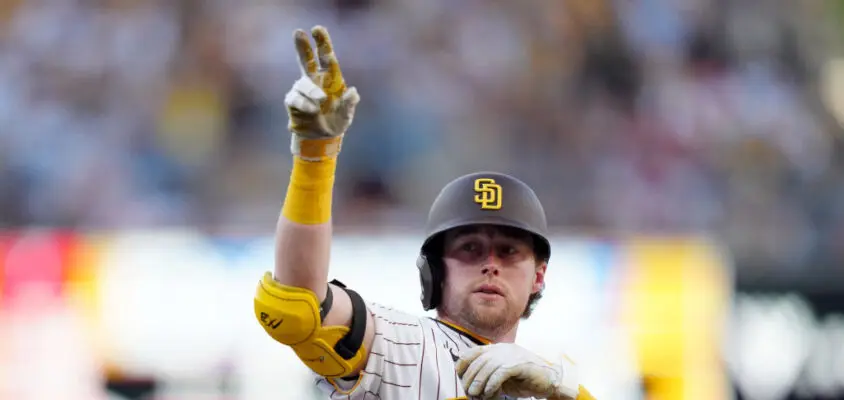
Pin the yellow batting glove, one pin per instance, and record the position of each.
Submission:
(320, 106)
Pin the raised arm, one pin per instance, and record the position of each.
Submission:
(327, 326)
(320, 109)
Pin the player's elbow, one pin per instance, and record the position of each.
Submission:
(292, 316)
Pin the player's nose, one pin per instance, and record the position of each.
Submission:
(491, 265)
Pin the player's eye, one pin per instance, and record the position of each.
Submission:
(508, 250)
(470, 247)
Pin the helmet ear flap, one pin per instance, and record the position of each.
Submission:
(431, 278)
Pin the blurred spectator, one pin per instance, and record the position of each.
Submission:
(635, 115)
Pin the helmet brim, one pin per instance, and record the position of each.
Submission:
(542, 246)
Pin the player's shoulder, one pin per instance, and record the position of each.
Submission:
(395, 328)
(401, 322)
(385, 315)
(393, 316)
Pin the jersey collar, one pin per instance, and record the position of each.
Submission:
(477, 339)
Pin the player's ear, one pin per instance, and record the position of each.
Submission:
(539, 277)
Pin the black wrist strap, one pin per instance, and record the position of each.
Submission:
(326, 304)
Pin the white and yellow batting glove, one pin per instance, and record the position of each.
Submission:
(508, 369)
(320, 106)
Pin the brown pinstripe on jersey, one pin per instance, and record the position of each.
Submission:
(411, 358)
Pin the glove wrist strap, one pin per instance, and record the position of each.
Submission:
(315, 149)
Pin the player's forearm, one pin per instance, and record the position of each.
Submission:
(303, 232)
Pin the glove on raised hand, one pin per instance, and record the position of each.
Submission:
(320, 106)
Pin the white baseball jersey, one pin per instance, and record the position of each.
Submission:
(411, 358)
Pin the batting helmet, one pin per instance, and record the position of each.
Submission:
(479, 198)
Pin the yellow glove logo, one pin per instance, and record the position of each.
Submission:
(488, 194)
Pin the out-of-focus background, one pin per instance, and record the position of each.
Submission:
(688, 153)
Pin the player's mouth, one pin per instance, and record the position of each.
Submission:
(489, 291)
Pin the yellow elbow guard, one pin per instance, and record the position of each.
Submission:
(293, 316)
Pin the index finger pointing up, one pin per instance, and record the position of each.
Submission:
(325, 50)
(307, 62)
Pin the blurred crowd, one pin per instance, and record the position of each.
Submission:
(626, 116)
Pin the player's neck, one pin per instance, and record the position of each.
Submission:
(509, 336)
(486, 337)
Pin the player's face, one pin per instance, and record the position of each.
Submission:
(490, 274)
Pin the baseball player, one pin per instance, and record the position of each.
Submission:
(481, 267)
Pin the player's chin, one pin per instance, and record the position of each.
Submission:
(490, 316)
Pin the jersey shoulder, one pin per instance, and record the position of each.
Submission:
(392, 316)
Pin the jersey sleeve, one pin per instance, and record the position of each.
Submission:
(393, 361)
